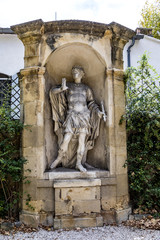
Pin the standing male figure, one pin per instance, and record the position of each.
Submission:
(76, 116)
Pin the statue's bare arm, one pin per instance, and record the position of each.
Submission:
(60, 89)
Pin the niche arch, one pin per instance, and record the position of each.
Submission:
(58, 65)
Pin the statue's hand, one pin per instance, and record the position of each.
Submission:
(64, 87)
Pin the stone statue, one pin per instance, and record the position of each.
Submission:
(77, 119)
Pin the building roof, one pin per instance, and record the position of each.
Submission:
(6, 31)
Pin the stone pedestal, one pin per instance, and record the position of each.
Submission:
(69, 198)
(77, 203)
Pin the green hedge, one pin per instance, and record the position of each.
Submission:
(11, 164)
(143, 136)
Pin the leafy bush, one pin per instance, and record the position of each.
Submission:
(143, 132)
(11, 164)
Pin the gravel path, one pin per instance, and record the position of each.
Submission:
(100, 233)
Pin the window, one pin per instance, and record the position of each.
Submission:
(10, 94)
(5, 89)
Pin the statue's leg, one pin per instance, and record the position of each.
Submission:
(62, 151)
(80, 152)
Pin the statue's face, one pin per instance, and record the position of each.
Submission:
(77, 74)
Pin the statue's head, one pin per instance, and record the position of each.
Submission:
(78, 70)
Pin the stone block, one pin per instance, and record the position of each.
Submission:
(108, 191)
(47, 195)
(110, 116)
(120, 161)
(35, 161)
(121, 150)
(39, 112)
(30, 168)
(108, 203)
(108, 181)
(63, 207)
(109, 217)
(120, 139)
(44, 183)
(90, 206)
(119, 112)
(33, 137)
(122, 202)
(70, 223)
(30, 117)
(119, 96)
(77, 183)
(99, 221)
(80, 193)
(48, 205)
(57, 194)
(122, 215)
(57, 223)
(36, 206)
(76, 175)
(85, 222)
(30, 91)
(30, 219)
(31, 61)
(30, 187)
(112, 137)
(29, 151)
(112, 160)
(46, 219)
(122, 185)
(31, 49)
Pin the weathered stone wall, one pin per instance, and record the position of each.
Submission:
(51, 49)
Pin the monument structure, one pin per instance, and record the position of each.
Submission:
(72, 99)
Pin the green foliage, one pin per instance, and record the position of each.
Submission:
(151, 17)
(28, 199)
(143, 131)
(11, 164)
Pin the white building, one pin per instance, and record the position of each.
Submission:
(11, 52)
(149, 45)
(12, 56)
(11, 61)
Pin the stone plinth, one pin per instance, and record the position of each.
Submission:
(62, 173)
(77, 203)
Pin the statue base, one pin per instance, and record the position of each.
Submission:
(84, 202)
(67, 199)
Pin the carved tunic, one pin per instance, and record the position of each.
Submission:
(78, 114)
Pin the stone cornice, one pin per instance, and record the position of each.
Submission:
(73, 26)
(28, 26)
(121, 31)
(32, 71)
(117, 74)
(76, 26)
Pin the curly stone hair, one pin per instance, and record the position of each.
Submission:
(79, 68)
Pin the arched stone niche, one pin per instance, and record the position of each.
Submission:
(58, 66)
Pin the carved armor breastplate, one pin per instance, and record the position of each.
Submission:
(77, 98)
